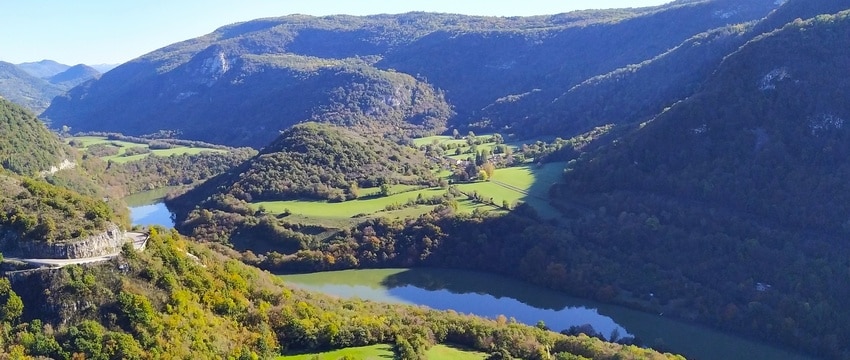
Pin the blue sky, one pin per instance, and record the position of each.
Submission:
(115, 31)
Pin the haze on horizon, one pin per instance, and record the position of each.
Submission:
(114, 32)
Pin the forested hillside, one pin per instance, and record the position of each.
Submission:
(641, 90)
(24, 89)
(316, 161)
(179, 299)
(705, 179)
(405, 73)
(34, 85)
(727, 208)
(26, 145)
(740, 185)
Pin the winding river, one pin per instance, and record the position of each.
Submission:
(490, 296)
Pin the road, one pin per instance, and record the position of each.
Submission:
(140, 240)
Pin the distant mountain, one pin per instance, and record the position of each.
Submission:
(74, 76)
(405, 71)
(20, 87)
(43, 69)
(34, 85)
(640, 91)
(770, 119)
(103, 68)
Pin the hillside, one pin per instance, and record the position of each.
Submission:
(403, 70)
(255, 96)
(35, 211)
(775, 147)
(740, 185)
(321, 162)
(34, 85)
(309, 161)
(639, 91)
(24, 89)
(184, 300)
(26, 145)
(43, 69)
(74, 76)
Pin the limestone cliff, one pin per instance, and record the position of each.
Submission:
(107, 242)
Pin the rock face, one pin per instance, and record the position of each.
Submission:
(107, 242)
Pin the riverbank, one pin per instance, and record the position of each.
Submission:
(491, 295)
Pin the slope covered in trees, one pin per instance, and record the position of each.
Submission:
(184, 300)
(318, 161)
(37, 211)
(24, 89)
(740, 189)
(641, 90)
(26, 145)
(308, 161)
(392, 73)
(36, 84)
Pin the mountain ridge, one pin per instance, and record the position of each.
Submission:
(34, 85)
(470, 61)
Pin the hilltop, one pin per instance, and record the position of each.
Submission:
(43, 69)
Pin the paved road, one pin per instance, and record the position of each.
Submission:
(140, 240)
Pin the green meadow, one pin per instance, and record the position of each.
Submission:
(529, 183)
(381, 352)
(374, 352)
(122, 146)
(346, 209)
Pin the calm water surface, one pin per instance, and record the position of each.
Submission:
(490, 295)
(147, 208)
(154, 214)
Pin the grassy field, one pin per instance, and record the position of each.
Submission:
(438, 139)
(87, 141)
(345, 209)
(374, 352)
(380, 352)
(443, 352)
(529, 184)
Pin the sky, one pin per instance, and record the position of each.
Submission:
(115, 31)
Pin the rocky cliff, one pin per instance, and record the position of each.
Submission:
(107, 242)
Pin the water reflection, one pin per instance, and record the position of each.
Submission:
(466, 292)
(154, 214)
(490, 295)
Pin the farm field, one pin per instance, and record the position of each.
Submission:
(443, 352)
(122, 146)
(380, 352)
(345, 209)
(528, 184)
(374, 352)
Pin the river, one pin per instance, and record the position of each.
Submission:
(490, 295)
(147, 208)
